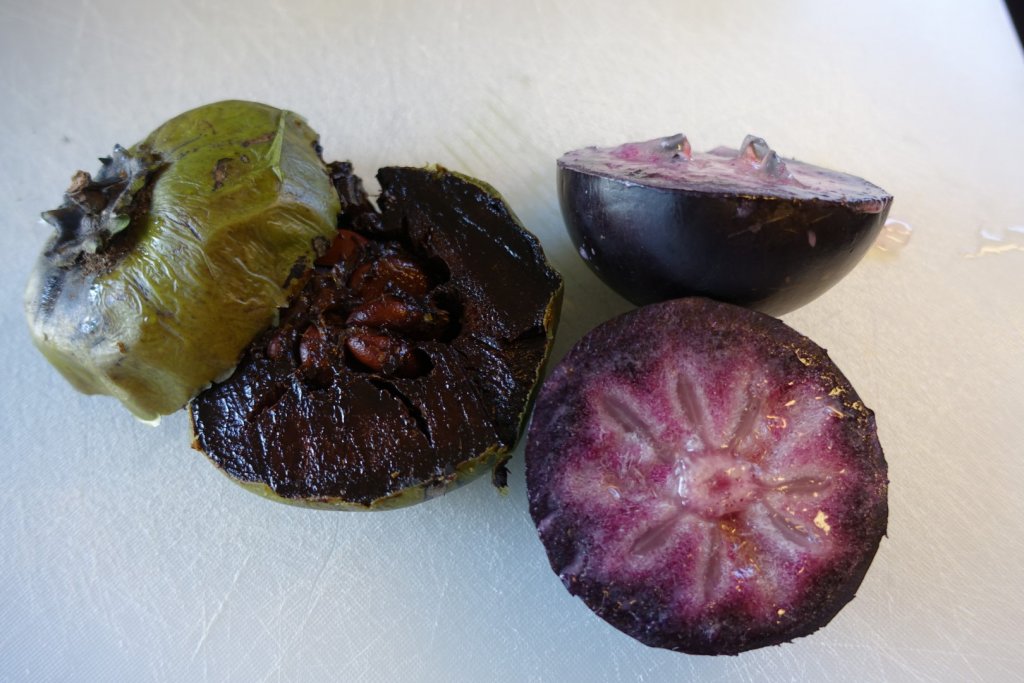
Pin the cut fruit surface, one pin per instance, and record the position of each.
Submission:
(405, 365)
(705, 478)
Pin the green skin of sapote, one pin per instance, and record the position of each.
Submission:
(156, 295)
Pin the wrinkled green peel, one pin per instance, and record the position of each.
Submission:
(239, 198)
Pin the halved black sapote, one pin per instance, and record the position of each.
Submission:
(657, 221)
(705, 479)
(406, 364)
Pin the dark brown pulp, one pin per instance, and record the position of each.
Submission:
(413, 347)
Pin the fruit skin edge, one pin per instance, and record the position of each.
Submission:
(464, 473)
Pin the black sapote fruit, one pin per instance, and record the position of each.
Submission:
(354, 357)
(705, 479)
(405, 365)
(657, 221)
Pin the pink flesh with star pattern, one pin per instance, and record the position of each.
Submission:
(719, 476)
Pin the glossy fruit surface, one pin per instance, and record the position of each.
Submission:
(178, 252)
(406, 364)
(705, 479)
(657, 221)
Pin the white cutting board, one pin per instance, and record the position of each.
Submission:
(126, 556)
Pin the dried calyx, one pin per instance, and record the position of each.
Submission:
(96, 209)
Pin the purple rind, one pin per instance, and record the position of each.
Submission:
(652, 233)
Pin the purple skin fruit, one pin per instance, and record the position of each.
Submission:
(657, 221)
(705, 479)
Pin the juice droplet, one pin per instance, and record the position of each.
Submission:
(895, 235)
(755, 155)
(999, 241)
(678, 146)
